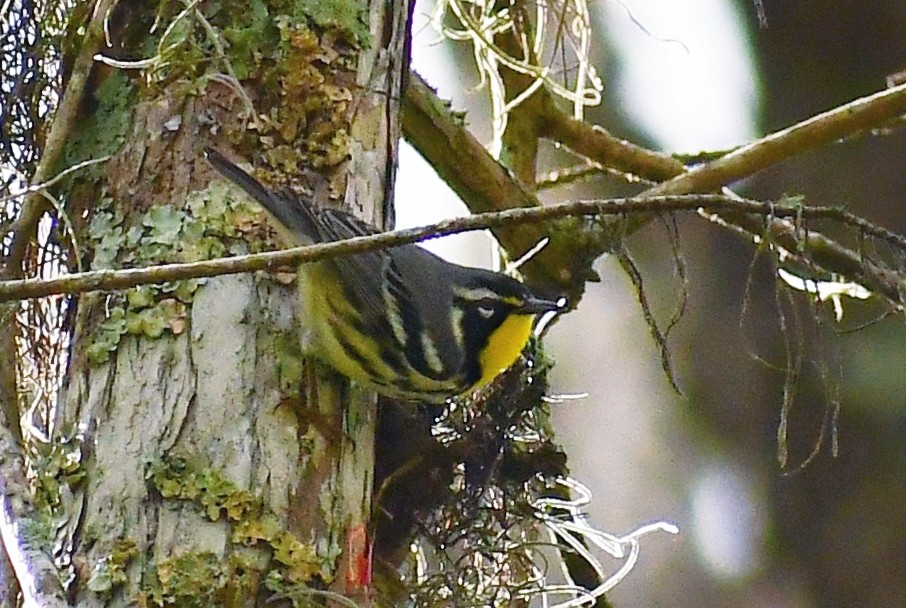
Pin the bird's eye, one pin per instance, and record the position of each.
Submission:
(486, 308)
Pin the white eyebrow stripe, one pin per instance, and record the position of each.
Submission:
(476, 293)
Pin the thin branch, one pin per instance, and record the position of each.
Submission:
(660, 336)
(881, 280)
(583, 171)
(64, 119)
(598, 145)
(56, 178)
(841, 122)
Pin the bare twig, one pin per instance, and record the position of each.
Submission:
(56, 178)
(586, 170)
(25, 226)
(841, 122)
(660, 336)
(883, 281)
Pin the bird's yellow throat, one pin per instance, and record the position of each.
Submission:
(503, 346)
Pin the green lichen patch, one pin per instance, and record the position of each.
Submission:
(201, 579)
(110, 572)
(191, 580)
(212, 224)
(106, 336)
(216, 496)
(292, 561)
(103, 131)
(56, 471)
(300, 564)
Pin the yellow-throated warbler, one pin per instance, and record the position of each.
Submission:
(401, 321)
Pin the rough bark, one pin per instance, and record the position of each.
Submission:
(208, 458)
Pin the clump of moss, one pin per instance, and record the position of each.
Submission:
(293, 563)
(110, 572)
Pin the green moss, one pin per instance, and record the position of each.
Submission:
(110, 572)
(293, 561)
(250, 34)
(343, 16)
(252, 29)
(103, 131)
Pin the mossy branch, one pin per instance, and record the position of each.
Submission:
(800, 241)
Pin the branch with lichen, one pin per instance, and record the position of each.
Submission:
(801, 243)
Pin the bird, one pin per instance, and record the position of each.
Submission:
(401, 321)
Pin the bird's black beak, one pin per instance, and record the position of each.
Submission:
(537, 306)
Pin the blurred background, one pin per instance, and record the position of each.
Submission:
(686, 76)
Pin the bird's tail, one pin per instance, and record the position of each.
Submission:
(295, 218)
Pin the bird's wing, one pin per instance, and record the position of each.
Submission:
(363, 273)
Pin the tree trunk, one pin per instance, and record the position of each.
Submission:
(216, 471)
